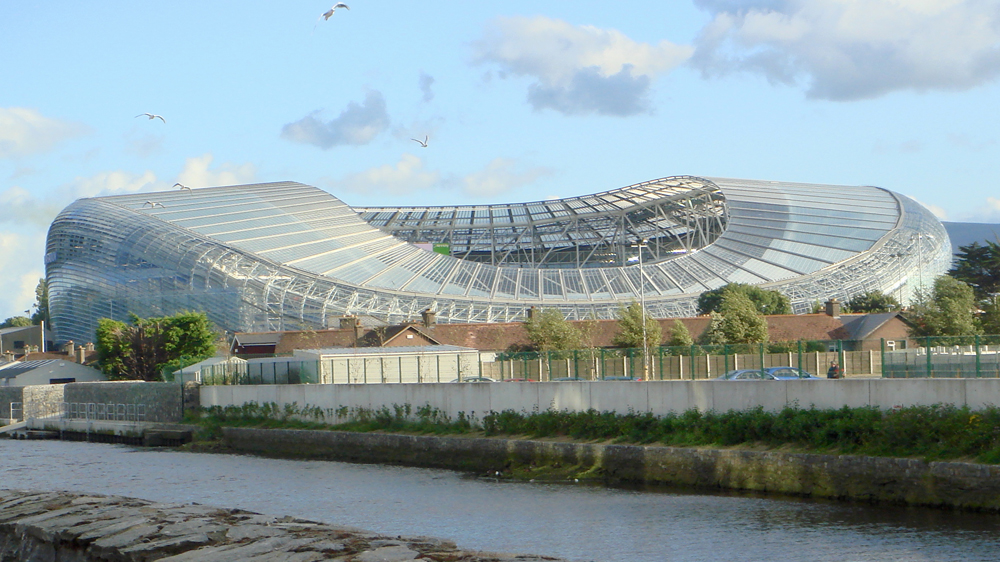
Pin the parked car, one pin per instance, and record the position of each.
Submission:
(474, 379)
(517, 380)
(621, 378)
(746, 375)
(789, 374)
(567, 379)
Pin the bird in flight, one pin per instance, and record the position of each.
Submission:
(152, 116)
(182, 186)
(153, 204)
(329, 13)
(423, 143)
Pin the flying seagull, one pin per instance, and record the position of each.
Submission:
(153, 204)
(182, 186)
(152, 116)
(423, 143)
(329, 13)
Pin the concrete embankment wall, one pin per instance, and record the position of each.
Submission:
(140, 401)
(37, 526)
(658, 397)
(873, 479)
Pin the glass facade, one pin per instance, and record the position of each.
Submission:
(291, 256)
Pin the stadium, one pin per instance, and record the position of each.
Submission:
(285, 255)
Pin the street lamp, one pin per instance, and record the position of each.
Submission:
(642, 304)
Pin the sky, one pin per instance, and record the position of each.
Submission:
(519, 101)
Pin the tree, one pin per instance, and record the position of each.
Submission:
(630, 322)
(737, 321)
(41, 304)
(139, 350)
(979, 267)
(679, 335)
(765, 301)
(872, 302)
(950, 311)
(548, 330)
(16, 322)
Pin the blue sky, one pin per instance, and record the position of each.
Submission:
(520, 100)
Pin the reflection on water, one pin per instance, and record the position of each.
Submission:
(575, 522)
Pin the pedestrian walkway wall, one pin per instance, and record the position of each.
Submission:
(658, 397)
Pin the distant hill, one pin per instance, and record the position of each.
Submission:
(965, 233)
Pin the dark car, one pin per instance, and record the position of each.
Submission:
(746, 375)
(474, 379)
(620, 378)
(789, 374)
(567, 379)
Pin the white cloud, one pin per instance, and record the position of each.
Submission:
(406, 176)
(356, 125)
(20, 257)
(937, 211)
(197, 173)
(426, 81)
(24, 132)
(112, 183)
(22, 208)
(500, 176)
(848, 49)
(578, 69)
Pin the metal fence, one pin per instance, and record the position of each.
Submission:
(944, 357)
(103, 412)
(688, 362)
(276, 372)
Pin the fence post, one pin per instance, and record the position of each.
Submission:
(841, 358)
(977, 356)
(882, 355)
(761, 351)
(659, 355)
(603, 365)
(800, 355)
(691, 367)
(725, 357)
(930, 364)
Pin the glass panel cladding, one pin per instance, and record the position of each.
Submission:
(273, 256)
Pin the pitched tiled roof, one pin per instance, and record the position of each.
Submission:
(597, 333)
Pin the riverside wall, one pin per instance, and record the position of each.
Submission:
(658, 397)
(46, 526)
(845, 477)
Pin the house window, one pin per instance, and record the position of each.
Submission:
(18, 344)
(62, 381)
(890, 345)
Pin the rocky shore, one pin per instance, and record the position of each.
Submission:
(47, 526)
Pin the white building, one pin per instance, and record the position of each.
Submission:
(47, 371)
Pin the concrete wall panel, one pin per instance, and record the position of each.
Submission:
(828, 394)
(619, 396)
(980, 393)
(887, 393)
(659, 397)
(744, 395)
(573, 396)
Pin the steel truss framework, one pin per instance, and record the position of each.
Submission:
(675, 215)
(289, 256)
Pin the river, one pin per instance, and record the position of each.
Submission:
(572, 521)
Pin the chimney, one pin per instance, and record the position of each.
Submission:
(81, 355)
(833, 307)
(70, 348)
(429, 317)
(348, 322)
(89, 346)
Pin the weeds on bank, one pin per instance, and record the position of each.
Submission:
(931, 432)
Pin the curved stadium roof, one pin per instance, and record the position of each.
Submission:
(288, 255)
